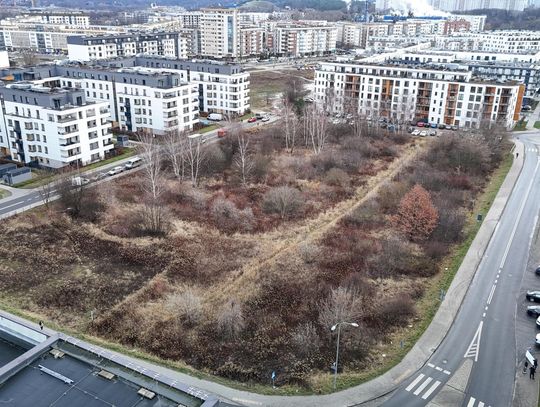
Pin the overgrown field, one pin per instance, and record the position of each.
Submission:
(243, 269)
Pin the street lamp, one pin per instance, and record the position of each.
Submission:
(338, 327)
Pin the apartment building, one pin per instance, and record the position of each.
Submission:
(219, 33)
(429, 93)
(298, 40)
(252, 41)
(70, 18)
(460, 5)
(170, 44)
(53, 127)
(506, 42)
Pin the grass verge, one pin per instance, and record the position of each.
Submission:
(4, 193)
(537, 125)
(394, 350)
(520, 126)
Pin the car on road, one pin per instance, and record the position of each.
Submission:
(538, 322)
(454, 127)
(448, 127)
(537, 271)
(533, 296)
(423, 133)
(442, 126)
(99, 176)
(533, 310)
(221, 133)
(115, 170)
(265, 119)
(415, 132)
(432, 133)
(433, 125)
(420, 124)
(537, 341)
(252, 120)
(132, 163)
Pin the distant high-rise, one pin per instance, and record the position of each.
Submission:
(463, 5)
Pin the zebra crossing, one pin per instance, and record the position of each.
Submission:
(532, 150)
(472, 403)
(423, 386)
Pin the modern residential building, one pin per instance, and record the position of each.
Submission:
(63, 17)
(86, 48)
(220, 33)
(425, 92)
(53, 127)
(301, 39)
(507, 42)
(252, 41)
(460, 5)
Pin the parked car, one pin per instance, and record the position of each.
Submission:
(221, 133)
(454, 127)
(537, 271)
(433, 133)
(79, 181)
(420, 124)
(410, 129)
(442, 126)
(115, 170)
(215, 117)
(252, 120)
(533, 310)
(99, 175)
(265, 119)
(433, 125)
(132, 163)
(423, 133)
(538, 322)
(416, 133)
(537, 341)
(533, 296)
(448, 127)
(526, 108)
(391, 127)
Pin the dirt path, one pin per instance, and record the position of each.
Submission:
(244, 281)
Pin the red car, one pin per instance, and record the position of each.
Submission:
(420, 124)
(221, 133)
(252, 119)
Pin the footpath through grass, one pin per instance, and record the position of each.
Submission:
(393, 351)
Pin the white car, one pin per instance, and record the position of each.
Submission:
(265, 119)
(115, 170)
(538, 322)
(538, 339)
(415, 132)
(423, 133)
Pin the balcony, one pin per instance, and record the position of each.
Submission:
(28, 126)
(103, 110)
(67, 130)
(90, 113)
(65, 119)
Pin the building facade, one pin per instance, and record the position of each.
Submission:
(53, 127)
(220, 33)
(421, 93)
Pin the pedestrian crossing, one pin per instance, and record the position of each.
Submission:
(423, 386)
(472, 403)
(532, 150)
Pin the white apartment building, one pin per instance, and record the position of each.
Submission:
(76, 19)
(299, 40)
(53, 127)
(506, 42)
(251, 41)
(220, 33)
(170, 44)
(426, 93)
(460, 5)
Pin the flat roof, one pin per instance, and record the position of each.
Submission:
(9, 351)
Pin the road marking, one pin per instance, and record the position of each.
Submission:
(413, 384)
(421, 388)
(431, 389)
(431, 365)
(471, 402)
(446, 372)
(484, 315)
(480, 404)
(438, 368)
(486, 308)
(520, 212)
(496, 280)
(474, 347)
(491, 294)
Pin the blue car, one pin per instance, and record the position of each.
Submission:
(433, 125)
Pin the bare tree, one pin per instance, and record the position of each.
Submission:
(149, 151)
(244, 157)
(174, 145)
(195, 156)
(291, 125)
(283, 200)
(29, 57)
(316, 126)
(186, 305)
(230, 321)
(46, 192)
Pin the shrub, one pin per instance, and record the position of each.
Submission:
(393, 257)
(230, 320)
(306, 339)
(393, 312)
(229, 218)
(261, 166)
(337, 178)
(416, 216)
(390, 195)
(284, 201)
(366, 216)
(185, 305)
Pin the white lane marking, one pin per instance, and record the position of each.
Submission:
(496, 281)
(431, 365)
(474, 348)
(471, 402)
(491, 294)
(480, 404)
(446, 372)
(520, 212)
(431, 389)
(415, 382)
(486, 308)
(421, 388)
(438, 368)
(484, 315)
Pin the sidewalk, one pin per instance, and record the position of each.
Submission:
(15, 192)
(418, 355)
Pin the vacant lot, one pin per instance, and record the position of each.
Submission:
(242, 270)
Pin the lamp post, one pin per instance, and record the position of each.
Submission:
(338, 327)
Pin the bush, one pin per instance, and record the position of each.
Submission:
(284, 201)
(337, 178)
(229, 218)
(261, 166)
(186, 306)
(390, 195)
(393, 312)
(230, 320)
(366, 216)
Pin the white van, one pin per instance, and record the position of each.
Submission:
(215, 117)
(134, 162)
(197, 137)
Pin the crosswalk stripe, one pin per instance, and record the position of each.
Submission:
(480, 404)
(413, 384)
(471, 402)
(431, 389)
(421, 388)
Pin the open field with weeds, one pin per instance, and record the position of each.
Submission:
(235, 258)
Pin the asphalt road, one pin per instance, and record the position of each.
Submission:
(484, 330)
